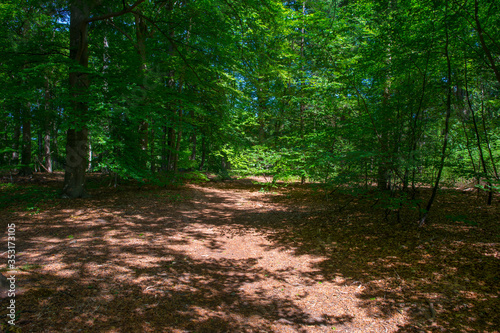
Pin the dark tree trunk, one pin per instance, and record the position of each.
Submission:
(77, 135)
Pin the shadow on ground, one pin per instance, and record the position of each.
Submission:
(112, 263)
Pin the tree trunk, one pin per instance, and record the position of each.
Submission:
(152, 155)
(47, 123)
(478, 139)
(140, 33)
(446, 124)
(77, 135)
(192, 157)
(46, 150)
(15, 144)
(26, 151)
(178, 143)
(164, 157)
(493, 164)
(203, 152)
(170, 148)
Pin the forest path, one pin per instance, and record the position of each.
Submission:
(215, 257)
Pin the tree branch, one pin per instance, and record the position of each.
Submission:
(125, 10)
(173, 42)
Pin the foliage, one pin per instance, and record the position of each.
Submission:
(344, 93)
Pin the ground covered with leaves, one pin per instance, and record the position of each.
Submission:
(236, 256)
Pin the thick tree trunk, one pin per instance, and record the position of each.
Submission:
(77, 135)
(76, 163)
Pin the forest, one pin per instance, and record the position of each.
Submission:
(223, 165)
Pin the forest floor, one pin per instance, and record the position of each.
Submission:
(230, 257)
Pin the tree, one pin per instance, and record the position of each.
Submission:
(77, 134)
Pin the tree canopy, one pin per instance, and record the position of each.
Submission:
(394, 93)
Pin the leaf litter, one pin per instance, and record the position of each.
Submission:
(227, 257)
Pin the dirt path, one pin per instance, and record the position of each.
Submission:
(204, 258)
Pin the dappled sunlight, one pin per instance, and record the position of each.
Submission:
(247, 260)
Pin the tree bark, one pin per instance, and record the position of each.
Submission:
(77, 135)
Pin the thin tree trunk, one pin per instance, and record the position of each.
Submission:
(192, 157)
(467, 142)
(46, 156)
(152, 155)
(170, 148)
(46, 150)
(203, 152)
(446, 124)
(15, 143)
(164, 157)
(140, 32)
(478, 137)
(178, 143)
(26, 151)
(495, 171)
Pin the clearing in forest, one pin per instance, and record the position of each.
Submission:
(229, 257)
